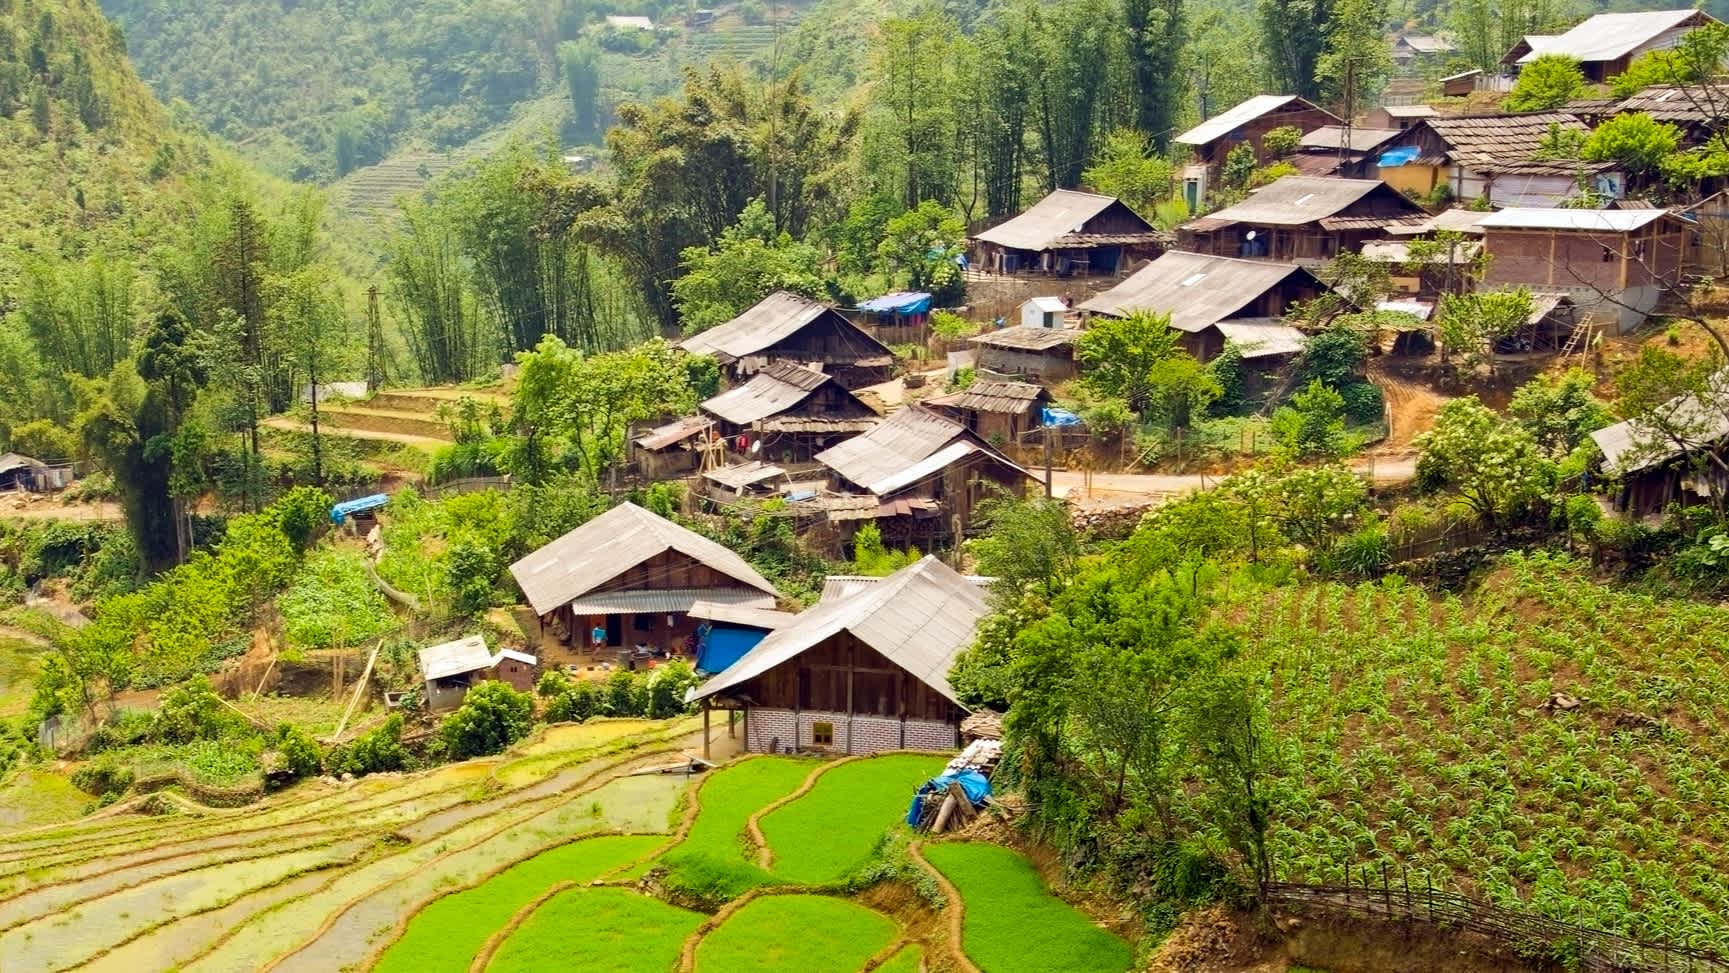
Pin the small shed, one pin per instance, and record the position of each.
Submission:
(19, 472)
(740, 480)
(519, 670)
(898, 318)
(1044, 312)
(785, 327)
(1615, 264)
(363, 511)
(999, 411)
(450, 669)
(1461, 84)
(1047, 354)
(1250, 121)
(672, 449)
(1659, 463)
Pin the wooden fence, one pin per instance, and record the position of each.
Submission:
(1536, 937)
(471, 484)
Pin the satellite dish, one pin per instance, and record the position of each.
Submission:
(756, 447)
(1249, 235)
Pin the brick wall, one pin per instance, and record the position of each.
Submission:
(861, 734)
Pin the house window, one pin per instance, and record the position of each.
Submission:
(643, 623)
(822, 734)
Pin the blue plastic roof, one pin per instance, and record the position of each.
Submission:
(1059, 417)
(349, 508)
(900, 302)
(725, 645)
(1393, 158)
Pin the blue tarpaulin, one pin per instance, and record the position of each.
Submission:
(725, 645)
(1058, 417)
(349, 508)
(1394, 158)
(900, 302)
(974, 785)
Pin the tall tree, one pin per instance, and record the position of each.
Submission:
(1294, 32)
(1078, 45)
(432, 293)
(1156, 35)
(911, 134)
(1355, 62)
(580, 61)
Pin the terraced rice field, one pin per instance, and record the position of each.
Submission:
(1013, 925)
(530, 861)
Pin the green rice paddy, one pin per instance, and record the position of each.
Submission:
(830, 831)
(1014, 924)
(795, 934)
(733, 794)
(446, 934)
(596, 930)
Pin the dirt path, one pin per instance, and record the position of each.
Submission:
(1411, 403)
(37, 506)
(1123, 488)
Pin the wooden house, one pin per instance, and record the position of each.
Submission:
(1198, 291)
(1694, 109)
(748, 479)
(788, 413)
(858, 674)
(451, 669)
(787, 327)
(1614, 264)
(1708, 246)
(1333, 150)
(1400, 117)
(918, 475)
(1301, 219)
(1213, 139)
(1068, 233)
(1664, 462)
(1412, 52)
(1497, 156)
(629, 577)
(670, 450)
(1033, 351)
(1607, 44)
(998, 411)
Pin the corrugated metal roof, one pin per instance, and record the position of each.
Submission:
(1427, 43)
(468, 654)
(1195, 289)
(741, 475)
(1421, 310)
(775, 389)
(773, 320)
(1263, 339)
(672, 433)
(1498, 143)
(1012, 398)
(1236, 117)
(1399, 252)
(816, 424)
(1047, 304)
(764, 618)
(902, 444)
(1360, 139)
(1027, 337)
(1410, 111)
(919, 618)
(845, 585)
(1544, 304)
(611, 544)
(1582, 220)
(1605, 37)
(666, 600)
(1063, 212)
(1636, 444)
(940, 460)
(1300, 200)
(514, 655)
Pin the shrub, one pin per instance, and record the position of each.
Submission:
(625, 694)
(1282, 141)
(492, 717)
(1313, 424)
(301, 754)
(191, 711)
(1363, 402)
(301, 513)
(667, 685)
(104, 777)
(708, 882)
(1364, 552)
(375, 752)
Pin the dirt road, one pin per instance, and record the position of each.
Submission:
(1125, 487)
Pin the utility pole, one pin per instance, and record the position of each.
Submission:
(1047, 462)
(374, 342)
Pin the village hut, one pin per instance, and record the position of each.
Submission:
(1199, 291)
(998, 411)
(449, 670)
(670, 450)
(1607, 44)
(1250, 121)
(1503, 157)
(898, 318)
(1068, 233)
(752, 478)
(918, 475)
(629, 577)
(858, 674)
(1412, 52)
(20, 472)
(1400, 117)
(1044, 312)
(1337, 150)
(1033, 351)
(1658, 462)
(1614, 264)
(787, 327)
(788, 413)
(1301, 219)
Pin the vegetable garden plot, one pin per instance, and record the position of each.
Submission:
(446, 934)
(823, 835)
(1014, 924)
(1424, 742)
(795, 934)
(597, 930)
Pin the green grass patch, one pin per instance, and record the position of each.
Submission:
(908, 960)
(446, 934)
(1014, 924)
(33, 797)
(17, 673)
(598, 930)
(829, 832)
(733, 794)
(795, 934)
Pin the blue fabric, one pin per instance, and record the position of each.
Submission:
(1394, 158)
(974, 785)
(1059, 417)
(725, 645)
(349, 508)
(901, 302)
